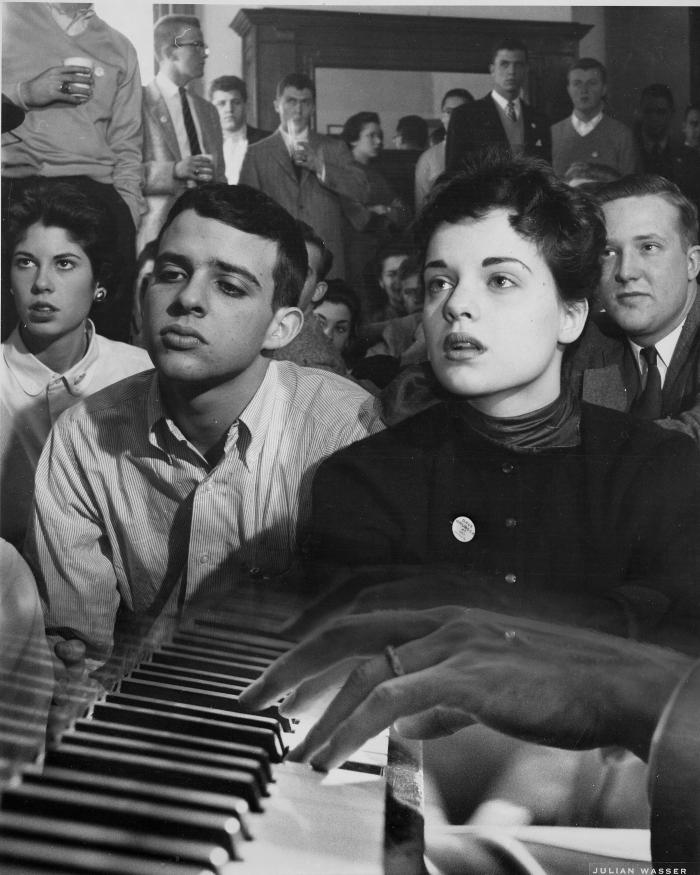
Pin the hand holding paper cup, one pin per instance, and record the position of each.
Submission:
(79, 82)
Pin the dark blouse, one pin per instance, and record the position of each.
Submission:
(616, 516)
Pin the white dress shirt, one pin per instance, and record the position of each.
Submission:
(582, 127)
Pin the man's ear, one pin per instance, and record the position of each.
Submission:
(319, 292)
(573, 320)
(284, 327)
(693, 261)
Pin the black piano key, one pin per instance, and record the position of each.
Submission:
(159, 770)
(41, 857)
(195, 670)
(202, 683)
(194, 800)
(205, 682)
(102, 727)
(63, 833)
(188, 721)
(192, 642)
(170, 752)
(130, 814)
(202, 637)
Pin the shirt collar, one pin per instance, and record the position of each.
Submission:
(585, 127)
(503, 102)
(664, 347)
(247, 434)
(72, 25)
(33, 376)
(166, 85)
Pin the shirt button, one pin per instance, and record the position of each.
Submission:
(511, 578)
(507, 467)
(204, 558)
(511, 522)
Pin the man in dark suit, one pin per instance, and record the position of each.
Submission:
(304, 171)
(182, 140)
(501, 118)
(230, 96)
(650, 294)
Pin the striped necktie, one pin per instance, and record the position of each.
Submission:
(510, 111)
(195, 148)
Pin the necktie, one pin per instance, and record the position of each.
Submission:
(510, 111)
(648, 404)
(195, 148)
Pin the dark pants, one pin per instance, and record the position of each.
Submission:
(111, 316)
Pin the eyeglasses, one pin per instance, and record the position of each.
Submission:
(201, 47)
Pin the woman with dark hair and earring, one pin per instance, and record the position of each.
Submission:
(56, 252)
(367, 225)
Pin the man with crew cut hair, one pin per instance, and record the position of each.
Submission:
(589, 135)
(501, 118)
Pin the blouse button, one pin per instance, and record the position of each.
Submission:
(507, 467)
(511, 578)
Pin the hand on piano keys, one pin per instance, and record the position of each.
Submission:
(168, 769)
(436, 671)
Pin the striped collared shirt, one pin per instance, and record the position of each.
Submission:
(127, 511)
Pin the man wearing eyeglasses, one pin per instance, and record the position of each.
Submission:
(182, 138)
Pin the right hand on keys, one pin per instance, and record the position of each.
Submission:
(64, 84)
(195, 168)
(74, 689)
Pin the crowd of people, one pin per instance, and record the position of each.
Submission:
(454, 387)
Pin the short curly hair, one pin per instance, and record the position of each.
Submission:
(564, 223)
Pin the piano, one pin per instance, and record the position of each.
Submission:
(165, 775)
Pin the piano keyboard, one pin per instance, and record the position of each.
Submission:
(166, 774)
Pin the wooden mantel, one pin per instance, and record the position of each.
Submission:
(280, 41)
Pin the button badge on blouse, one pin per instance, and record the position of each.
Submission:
(463, 529)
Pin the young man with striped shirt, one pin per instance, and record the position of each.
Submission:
(187, 479)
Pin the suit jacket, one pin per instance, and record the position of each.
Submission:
(268, 166)
(478, 125)
(161, 152)
(254, 135)
(600, 373)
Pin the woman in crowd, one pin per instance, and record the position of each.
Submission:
(56, 251)
(338, 313)
(367, 225)
(508, 495)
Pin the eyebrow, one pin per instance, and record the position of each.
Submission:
(487, 262)
(217, 263)
(69, 254)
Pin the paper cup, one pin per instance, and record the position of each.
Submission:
(79, 61)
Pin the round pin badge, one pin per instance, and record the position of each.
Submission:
(463, 529)
(99, 72)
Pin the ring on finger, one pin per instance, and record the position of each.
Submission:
(392, 657)
(64, 87)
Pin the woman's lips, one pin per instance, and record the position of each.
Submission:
(462, 347)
